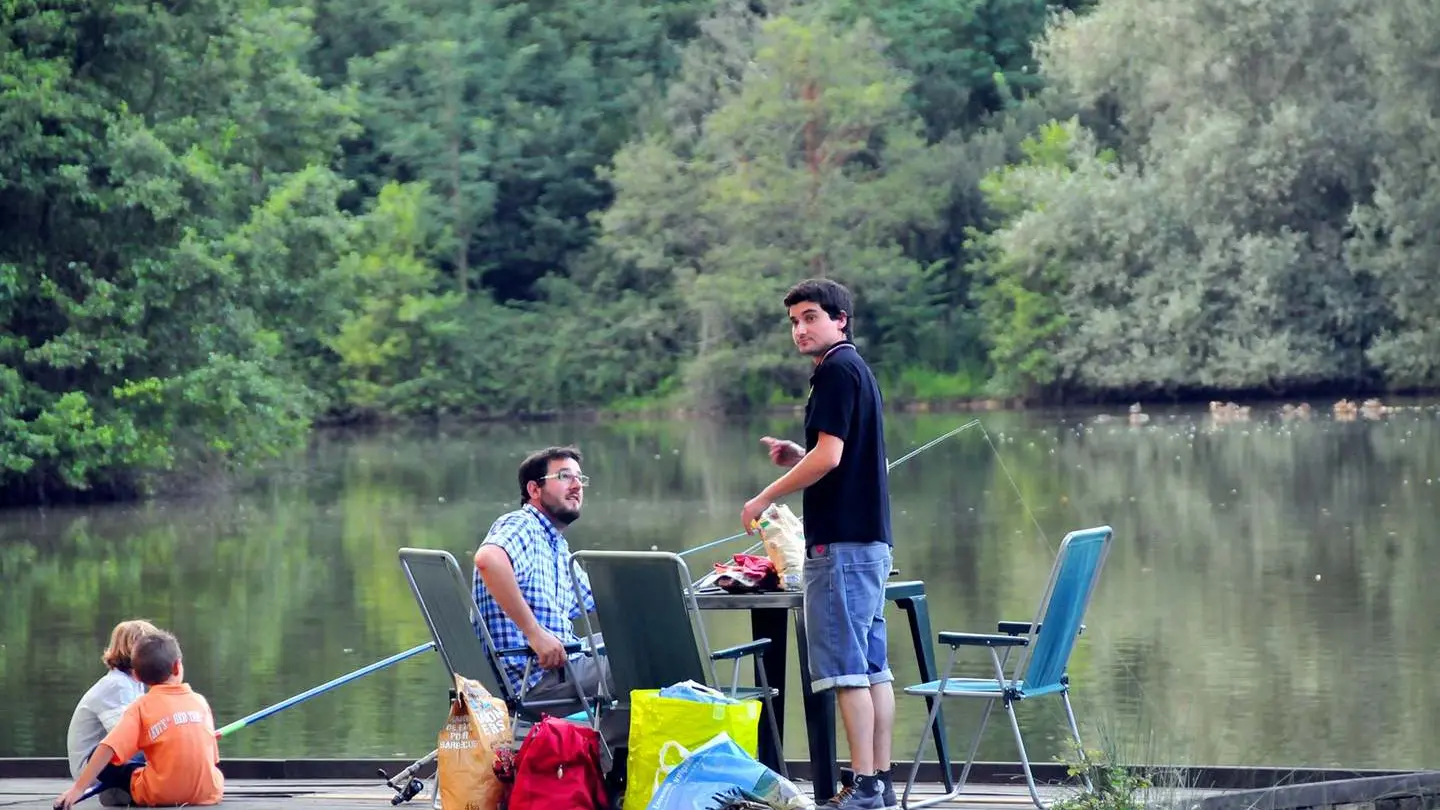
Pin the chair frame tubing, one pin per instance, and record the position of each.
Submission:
(515, 702)
(1010, 691)
(697, 622)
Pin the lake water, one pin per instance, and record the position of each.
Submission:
(1265, 601)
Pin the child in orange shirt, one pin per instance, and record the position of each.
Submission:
(171, 725)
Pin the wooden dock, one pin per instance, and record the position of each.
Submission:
(372, 794)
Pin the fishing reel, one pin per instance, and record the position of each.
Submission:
(405, 784)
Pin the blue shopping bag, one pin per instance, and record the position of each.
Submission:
(720, 768)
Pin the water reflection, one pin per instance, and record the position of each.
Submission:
(1266, 584)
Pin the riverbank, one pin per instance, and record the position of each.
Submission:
(1341, 406)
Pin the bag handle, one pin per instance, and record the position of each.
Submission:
(702, 688)
(665, 768)
(669, 747)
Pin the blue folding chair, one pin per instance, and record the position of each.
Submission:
(1040, 669)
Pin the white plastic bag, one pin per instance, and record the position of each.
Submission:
(784, 538)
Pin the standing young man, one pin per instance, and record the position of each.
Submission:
(846, 510)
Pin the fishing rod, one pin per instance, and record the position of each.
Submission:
(324, 687)
(888, 467)
(300, 698)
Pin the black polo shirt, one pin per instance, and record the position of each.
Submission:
(851, 503)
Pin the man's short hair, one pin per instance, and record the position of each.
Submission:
(538, 463)
(832, 296)
(155, 656)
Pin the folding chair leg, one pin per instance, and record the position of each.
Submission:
(969, 758)
(592, 713)
(774, 723)
(1024, 757)
(1075, 730)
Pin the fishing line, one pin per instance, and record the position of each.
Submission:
(1099, 632)
(888, 467)
(1149, 708)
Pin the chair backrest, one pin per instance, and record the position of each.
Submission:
(651, 625)
(1062, 607)
(448, 606)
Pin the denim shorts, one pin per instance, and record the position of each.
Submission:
(844, 589)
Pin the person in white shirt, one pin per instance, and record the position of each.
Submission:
(102, 705)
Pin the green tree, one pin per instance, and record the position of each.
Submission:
(967, 59)
(1396, 246)
(810, 164)
(431, 100)
(1210, 258)
(1020, 295)
(142, 149)
(388, 341)
(505, 110)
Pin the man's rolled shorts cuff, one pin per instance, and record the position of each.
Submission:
(851, 681)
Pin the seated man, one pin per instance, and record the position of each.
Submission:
(524, 592)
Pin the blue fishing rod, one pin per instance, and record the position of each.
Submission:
(888, 467)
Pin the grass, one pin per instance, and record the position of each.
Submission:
(911, 384)
(666, 397)
(917, 384)
(1139, 783)
(1112, 786)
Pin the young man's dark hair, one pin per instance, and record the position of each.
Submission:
(830, 295)
(155, 656)
(537, 464)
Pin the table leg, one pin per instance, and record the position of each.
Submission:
(771, 623)
(918, 611)
(819, 722)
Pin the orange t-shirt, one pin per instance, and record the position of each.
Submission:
(173, 727)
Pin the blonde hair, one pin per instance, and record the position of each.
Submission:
(122, 643)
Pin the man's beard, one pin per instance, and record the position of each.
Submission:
(563, 512)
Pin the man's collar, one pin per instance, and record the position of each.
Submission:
(833, 349)
(545, 521)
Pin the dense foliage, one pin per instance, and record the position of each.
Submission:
(223, 221)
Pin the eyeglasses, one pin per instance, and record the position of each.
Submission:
(565, 477)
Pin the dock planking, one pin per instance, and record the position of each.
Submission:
(287, 794)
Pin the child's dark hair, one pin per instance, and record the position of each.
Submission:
(155, 656)
(537, 464)
(830, 295)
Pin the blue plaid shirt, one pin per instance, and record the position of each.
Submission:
(541, 559)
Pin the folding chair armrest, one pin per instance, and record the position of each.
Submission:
(570, 649)
(1021, 628)
(983, 640)
(756, 647)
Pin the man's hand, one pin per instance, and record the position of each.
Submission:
(751, 512)
(784, 453)
(549, 652)
(68, 798)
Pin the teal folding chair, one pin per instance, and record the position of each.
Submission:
(1040, 669)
